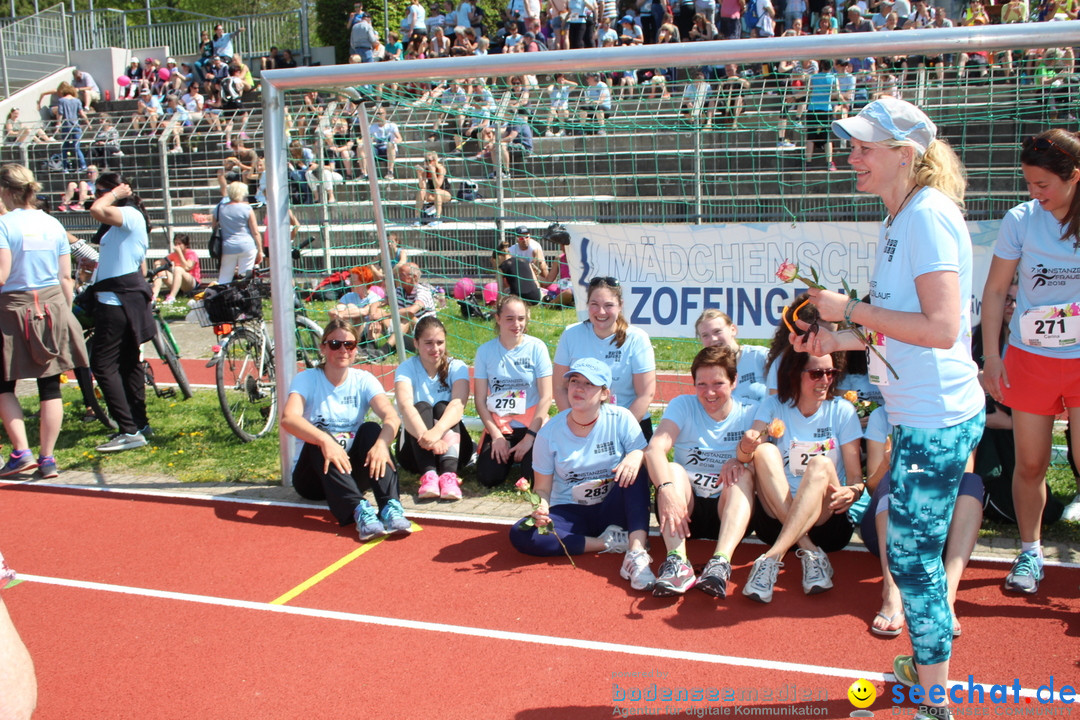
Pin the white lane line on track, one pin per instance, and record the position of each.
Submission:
(486, 633)
(414, 513)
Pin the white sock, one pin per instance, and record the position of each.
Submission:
(1035, 548)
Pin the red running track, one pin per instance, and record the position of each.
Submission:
(450, 622)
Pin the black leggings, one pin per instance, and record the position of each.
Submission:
(48, 388)
(114, 360)
(343, 491)
(418, 460)
(491, 472)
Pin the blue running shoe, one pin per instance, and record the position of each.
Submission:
(1027, 571)
(20, 461)
(46, 467)
(393, 518)
(367, 521)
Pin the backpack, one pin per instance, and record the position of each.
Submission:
(230, 90)
(468, 191)
(750, 16)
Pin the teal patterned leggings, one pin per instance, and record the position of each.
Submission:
(926, 468)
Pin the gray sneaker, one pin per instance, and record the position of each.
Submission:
(615, 539)
(1027, 571)
(714, 578)
(393, 518)
(817, 571)
(368, 525)
(122, 441)
(146, 431)
(759, 586)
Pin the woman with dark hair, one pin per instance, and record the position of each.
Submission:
(1040, 374)
(41, 338)
(432, 390)
(339, 452)
(608, 337)
(120, 297)
(807, 474)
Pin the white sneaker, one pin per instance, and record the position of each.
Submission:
(615, 539)
(817, 571)
(1072, 510)
(635, 568)
(759, 586)
(122, 441)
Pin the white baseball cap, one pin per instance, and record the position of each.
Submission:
(889, 119)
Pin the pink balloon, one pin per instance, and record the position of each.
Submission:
(164, 73)
(464, 288)
(123, 81)
(491, 293)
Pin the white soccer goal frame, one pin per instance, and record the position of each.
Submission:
(345, 78)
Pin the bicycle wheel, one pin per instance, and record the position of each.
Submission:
(245, 384)
(308, 339)
(167, 352)
(90, 398)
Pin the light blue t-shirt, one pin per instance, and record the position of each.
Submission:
(426, 388)
(582, 468)
(751, 372)
(878, 427)
(1049, 270)
(820, 92)
(833, 425)
(36, 241)
(235, 233)
(337, 410)
(509, 372)
(936, 388)
(122, 250)
(634, 357)
(352, 298)
(703, 445)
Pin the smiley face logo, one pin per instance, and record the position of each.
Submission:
(862, 694)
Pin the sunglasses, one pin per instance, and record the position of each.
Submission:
(1042, 144)
(819, 374)
(606, 280)
(349, 345)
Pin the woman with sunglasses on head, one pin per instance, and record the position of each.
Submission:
(587, 467)
(919, 319)
(715, 328)
(806, 476)
(432, 390)
(341, 452)
(121, 308)
(1040, 375)
(608, 337)
(513, 393)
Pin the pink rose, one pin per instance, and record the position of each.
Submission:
(787, 271)
(522, 484)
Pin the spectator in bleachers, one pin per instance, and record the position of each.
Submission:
(232, 105)
(413, 23)
(516, 143)
(240, 250)
(606, 36)
(134, 73)
(245, 73)
(630, 32)
(794, 10)
(223, 42)
(856, 22)
(669, 31)
(86, 88)
(821, 93)
(921, 16)
(340, 146)
(433, 186)
(176, 112)
(385, 137)
(147, 113)
(83, 190)
(581, 13)
(183, 273)
(195, 104)
(596, 104)
(702, 29)
(271, 60)
(218, 72)
(206, 55)
(438, 43)
(730, 19)
(882, 15)
(363, 38)
(729, 96)
(695, 94)
(301, 161)
(558, 94)
(395, 49)
(15, 132)
(69, 127)
(764, 17)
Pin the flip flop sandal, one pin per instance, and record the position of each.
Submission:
(888, 631)
(957, 631)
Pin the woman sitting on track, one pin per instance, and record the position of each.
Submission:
(586, 465)
(802, 476)
(608, 337)
(432, 390)
(705, 492)
(513, 393)
(715, 328)
(341, 452)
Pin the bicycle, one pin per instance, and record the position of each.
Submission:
(243, 361)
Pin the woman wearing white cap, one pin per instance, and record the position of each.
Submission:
(586, 463)
(918, 316)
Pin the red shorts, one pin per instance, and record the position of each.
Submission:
(1041, 385)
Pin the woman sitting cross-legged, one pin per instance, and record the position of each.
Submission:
(432, 390)
(705, 492)
(588, 475)
(802, 476)
(342, 452)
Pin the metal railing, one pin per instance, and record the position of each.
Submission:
(33, 47)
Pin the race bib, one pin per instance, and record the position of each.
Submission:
(591, 492)
(1051, 326)
(876, 370)
(706, 485)
(345, 439)
(508, 402)
(799, 454)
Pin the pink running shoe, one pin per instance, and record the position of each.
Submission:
(429, 485)
(449, 486)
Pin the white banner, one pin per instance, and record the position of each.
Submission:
(670, 273)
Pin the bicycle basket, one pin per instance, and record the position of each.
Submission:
(230, 303)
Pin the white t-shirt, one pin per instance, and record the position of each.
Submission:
(582, 468)
(833, 425)
(530, 253)
(936, 388)
(337, 410)
(426, 388)
(512, 372)
(634, 357)
(751, 372)
(1049, 271)
(703, 445)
